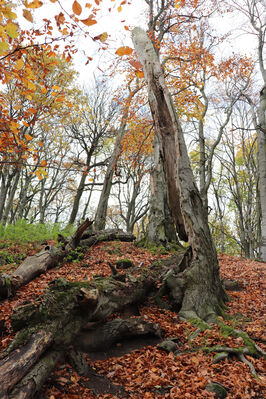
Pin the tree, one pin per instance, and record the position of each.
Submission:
(101, 212)
(200, 282)
(25, 117)
(238, 160)
(254, 12)
(91, 127)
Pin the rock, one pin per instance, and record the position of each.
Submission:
(124, 264)
(218, 389)
(168, 346)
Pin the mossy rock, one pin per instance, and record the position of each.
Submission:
(168, 346)
(124, 264)
(218, 389)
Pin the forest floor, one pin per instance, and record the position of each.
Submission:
(138, 366)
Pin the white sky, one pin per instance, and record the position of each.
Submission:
(132, 15)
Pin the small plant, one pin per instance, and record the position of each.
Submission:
(6, 257)
(75, 255)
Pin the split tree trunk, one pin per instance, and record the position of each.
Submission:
(204, 295)
(161, 227)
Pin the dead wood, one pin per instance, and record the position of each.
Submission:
(106, 335)
(66, 311)
(91, 238)
(50, 256)
(39, 263)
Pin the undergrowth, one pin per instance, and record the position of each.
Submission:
(24, 232)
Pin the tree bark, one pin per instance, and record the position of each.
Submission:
(204, 295)
(161, 228)
(262, 168)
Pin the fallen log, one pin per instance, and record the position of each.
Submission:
(39, 263)
(50, 256)
(91, 238)
(66, 311)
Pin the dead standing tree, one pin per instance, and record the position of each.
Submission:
(200, 282)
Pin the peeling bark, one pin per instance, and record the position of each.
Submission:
(203, 295)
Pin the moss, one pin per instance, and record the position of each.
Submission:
(228, 331)
(200, 324)
(124, 263)
(220, 310)
(106, 284)
(20, 339)
(75, 255)
(8, 282)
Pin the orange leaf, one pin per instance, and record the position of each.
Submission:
(27, 15)
(76, 7)
(124, 51)
(136, 64)
(140, 74)
(43, 163)
(32, 110)
(34, 4)
(89, 21)
(28, 137)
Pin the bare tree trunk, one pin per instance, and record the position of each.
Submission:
(262, 168)
(204, 295)
(161, 228)
(100, 217)
(11, 197)
(77, 198)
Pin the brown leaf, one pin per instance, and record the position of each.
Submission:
(76, 7)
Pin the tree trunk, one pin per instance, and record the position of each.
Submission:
(161, 228)
(204, 295)
(77, 198)
(100, 217)
(262, 168)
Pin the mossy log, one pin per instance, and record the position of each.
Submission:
(91, 238)
(74, 314)
(39, 263)
(50, 256)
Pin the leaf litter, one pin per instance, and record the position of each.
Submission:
(149, 372)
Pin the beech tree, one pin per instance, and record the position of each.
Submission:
(203, 292)
(90, 128)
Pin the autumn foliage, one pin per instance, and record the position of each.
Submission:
(149, 372)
